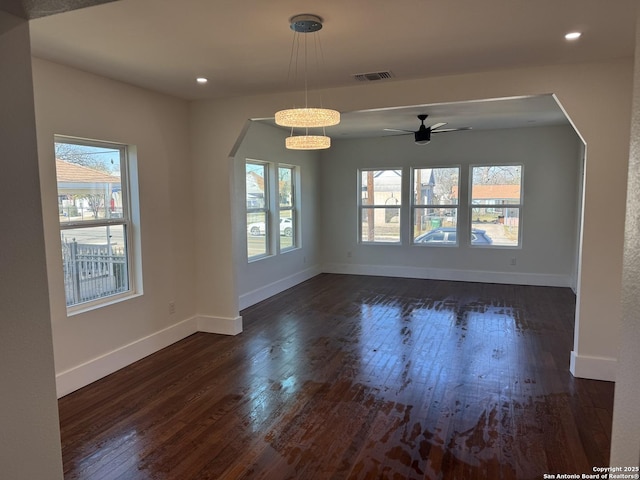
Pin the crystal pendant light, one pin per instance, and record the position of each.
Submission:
(307, 142)
(306, 117)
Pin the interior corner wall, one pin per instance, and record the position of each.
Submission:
(625, 436)
(264, 277)
(30, 438)
(97, 342)
(550, 157)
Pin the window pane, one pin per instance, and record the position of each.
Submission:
(94, 262)
(286, 193)
(435, 186)
(495, 226)
(496, 185)
(380, 225)
(89, 182)
(256, 233)
(255, 185)
(287, 229)
(428, 219)
(492, 188)
(285, 187)
(256, 192)
(381, 187)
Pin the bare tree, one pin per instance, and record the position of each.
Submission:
(95, 201)
(497, 175)
(285, 185)
(75, 154)
(444, 183)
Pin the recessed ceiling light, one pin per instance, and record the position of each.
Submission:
(573, 35)
(201, 80)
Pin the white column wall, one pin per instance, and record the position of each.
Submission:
(625, 443)
(29, 431)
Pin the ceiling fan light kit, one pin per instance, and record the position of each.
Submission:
(306, 117)
(423, 135)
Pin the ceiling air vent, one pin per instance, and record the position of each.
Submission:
(373, 76)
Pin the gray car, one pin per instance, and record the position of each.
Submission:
(448, 236)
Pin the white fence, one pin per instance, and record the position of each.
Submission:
(93, 271)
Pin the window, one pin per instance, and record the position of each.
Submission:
(286, 196)
(95, 220)
(496, 204)
(257, 192)
(262, 234)
(380, 202)
(435, 205)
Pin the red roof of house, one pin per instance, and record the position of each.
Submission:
(487, 192)
(73, 173)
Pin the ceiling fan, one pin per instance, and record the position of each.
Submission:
(423, 134)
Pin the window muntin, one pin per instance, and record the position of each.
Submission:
(286, 207)
(257, 194)
(435, 205)
(95, 220)
(496, 204)
(380, 204)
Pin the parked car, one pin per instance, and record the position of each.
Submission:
(258, 228)
(447, 236)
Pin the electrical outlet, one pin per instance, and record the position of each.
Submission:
(348, 254)
(513, 261)
(172, 307)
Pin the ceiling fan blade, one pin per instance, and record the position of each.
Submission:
(396, 130)
(396, 133)
(437, 125)
(444, 130)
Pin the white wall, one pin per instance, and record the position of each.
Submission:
(551, 161)
(588, 92)
(625, 443)
(29, 430)
(260, 279)
(70, 102)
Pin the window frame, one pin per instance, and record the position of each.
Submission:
(272, 209)
(414, 206)
(516, 206)
(292, 208)
(362, 207)
(265, 209)
(125, 221)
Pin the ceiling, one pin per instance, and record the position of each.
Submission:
(530, 111)
(243, 47)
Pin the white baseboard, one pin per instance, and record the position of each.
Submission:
(251, 298)
(514, 278)
(220, 325)
(92, 370)
(593, 368)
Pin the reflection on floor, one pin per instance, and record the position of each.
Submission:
(354, 377)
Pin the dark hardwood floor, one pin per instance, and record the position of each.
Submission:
(354, 377)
